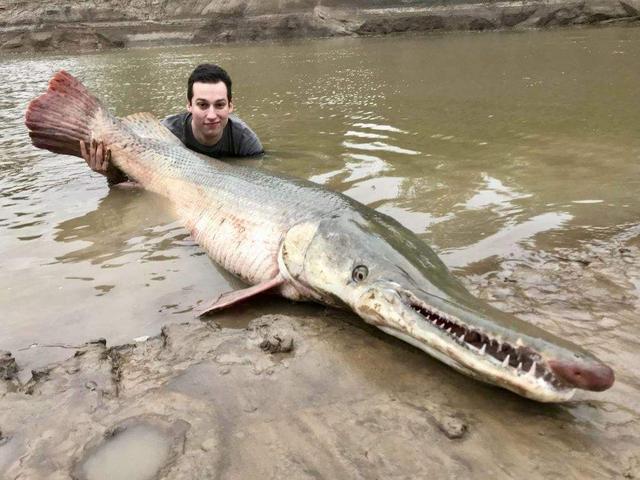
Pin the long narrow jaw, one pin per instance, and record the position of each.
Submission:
(527, 366)
(394, 281)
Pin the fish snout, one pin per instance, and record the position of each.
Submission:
(594, 377)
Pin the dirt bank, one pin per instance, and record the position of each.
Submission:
(323, 395)
(89, 25)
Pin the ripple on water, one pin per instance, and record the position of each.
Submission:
(357, 167)
(375, 189)
(379, 146)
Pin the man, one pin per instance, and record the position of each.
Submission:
(206, 127)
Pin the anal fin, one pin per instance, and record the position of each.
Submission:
(229, 299)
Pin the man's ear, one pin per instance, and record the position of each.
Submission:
(188, 106)
(230, 106)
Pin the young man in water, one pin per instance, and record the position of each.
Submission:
(206, 127)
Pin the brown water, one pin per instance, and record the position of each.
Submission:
(514, 154)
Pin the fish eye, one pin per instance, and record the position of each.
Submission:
(359, 273)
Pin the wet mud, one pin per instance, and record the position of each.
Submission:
(323, 395)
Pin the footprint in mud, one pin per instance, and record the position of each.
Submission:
(139, 448)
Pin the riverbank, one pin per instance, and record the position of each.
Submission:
(322, 395)
(90, 26)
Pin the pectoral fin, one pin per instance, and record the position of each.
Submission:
(228, 299)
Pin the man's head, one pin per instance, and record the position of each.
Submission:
(209, 101)
(208, 73)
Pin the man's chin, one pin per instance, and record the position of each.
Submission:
(210, 135)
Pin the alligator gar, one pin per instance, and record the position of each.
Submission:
(305, 242)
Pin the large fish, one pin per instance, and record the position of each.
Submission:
(305, 242)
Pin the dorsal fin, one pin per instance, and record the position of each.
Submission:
(147, 126)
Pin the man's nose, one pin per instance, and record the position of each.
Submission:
(211, 112)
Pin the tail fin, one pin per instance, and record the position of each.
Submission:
(61, 117)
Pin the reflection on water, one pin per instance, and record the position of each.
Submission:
(124, 222)
(374, 190)
(496, 195)
(373, 146)
(353, 133)
(493, 146)
(358, 166)
(508, 242)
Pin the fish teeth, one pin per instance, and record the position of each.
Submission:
(519, 369)
(461, 337)
(483, 349)
(532, 370)
(505, 362)
(449, 330)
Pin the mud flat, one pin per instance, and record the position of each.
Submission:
(85, 26)
(325, 396)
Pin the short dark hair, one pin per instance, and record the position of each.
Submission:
(208, 73)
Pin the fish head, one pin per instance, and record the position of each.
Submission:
(393, 280)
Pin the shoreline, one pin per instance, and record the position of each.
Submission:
(76, 33)
(242, 402)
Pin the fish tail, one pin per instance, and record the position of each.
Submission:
(61, 117)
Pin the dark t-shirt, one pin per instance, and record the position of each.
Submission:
(237, 140)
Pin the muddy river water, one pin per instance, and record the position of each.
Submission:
(515, 155)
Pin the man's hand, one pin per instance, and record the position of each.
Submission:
(99, 160)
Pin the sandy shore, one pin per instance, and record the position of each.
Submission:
(322, 395)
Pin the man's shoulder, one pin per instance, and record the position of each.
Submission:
(176, 118)
(176, 123)
(239, 126)
(246, 141)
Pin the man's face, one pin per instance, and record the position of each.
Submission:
(210, 111)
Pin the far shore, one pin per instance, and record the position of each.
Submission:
(75, 30)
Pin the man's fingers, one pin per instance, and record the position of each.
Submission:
(99, 157)
(105, 155)
(93, 155)
(88, 153)
(83, 151)
(91, 151)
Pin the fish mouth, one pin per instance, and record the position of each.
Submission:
(499, 357)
